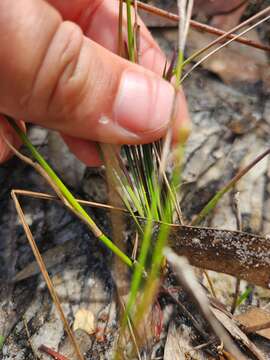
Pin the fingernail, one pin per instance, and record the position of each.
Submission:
(143, 102)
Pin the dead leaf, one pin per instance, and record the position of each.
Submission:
(231, 326)
(254, 318)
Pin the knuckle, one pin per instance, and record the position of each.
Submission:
(69, 80)
(60, 79)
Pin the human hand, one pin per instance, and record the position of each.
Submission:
(58, 70)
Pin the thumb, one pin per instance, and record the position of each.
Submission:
(58, 78)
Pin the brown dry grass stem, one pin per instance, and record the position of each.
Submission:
(39, 195)
(210, 283)
(189, 283)
(34, 247)
(120, 50)
(211, 53)
(36, 357)
(199, 245)
(230, 33)
(45, 275)
(132, 334)
(201, 27)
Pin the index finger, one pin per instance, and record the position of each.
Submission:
(99, 21)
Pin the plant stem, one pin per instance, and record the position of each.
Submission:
(213, 202)
(130, 32)
(201, 27)
(178, 69)
(2, 341)
(68, 196)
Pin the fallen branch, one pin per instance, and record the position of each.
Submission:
(236, 253)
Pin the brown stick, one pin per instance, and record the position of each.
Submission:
(52, 353)
(235, 253)
(199, 26)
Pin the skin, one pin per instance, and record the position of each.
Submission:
(58, 68)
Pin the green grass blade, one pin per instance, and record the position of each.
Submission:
(2, 341)
(68, 196)
(131, 43)
(214, 201)
(243, 296)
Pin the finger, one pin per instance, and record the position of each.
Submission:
(85, 151)
(104, 14)
(92, 16)
(60, 79)
(7, 133)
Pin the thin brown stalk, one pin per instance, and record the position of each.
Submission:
(199, 26)
(45, 275)
(29, 339)
(235, 295)
(189, 283)
(210, 283)
(131, 330)
(40, 195)
(223, 45)
(135, 247)
(212, 203)
(170, 189)
(202, 249)
(93, 227)
(120, 29)
(136, 33)
(38, 168)
(229, 33)
(238, 216)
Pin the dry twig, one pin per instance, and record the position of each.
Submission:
(199, 26)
